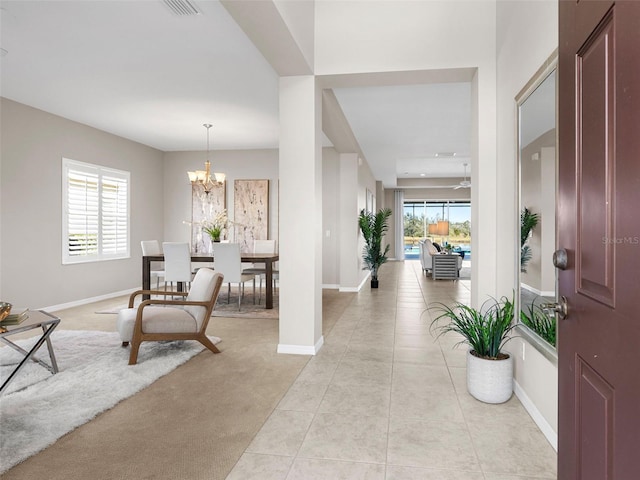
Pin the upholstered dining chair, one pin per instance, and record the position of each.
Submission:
(165, 319)
(177, 263)
(152, 247)
(259, 269)
(227, 259)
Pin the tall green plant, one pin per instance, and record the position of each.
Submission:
(373, 227)
(485, 330)
(528, 221)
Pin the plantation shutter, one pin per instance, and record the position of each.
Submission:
(96, 213)
(114, 215)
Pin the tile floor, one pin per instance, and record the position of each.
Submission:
(383, 400)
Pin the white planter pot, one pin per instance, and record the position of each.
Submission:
(490, 381)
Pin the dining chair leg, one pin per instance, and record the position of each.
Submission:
(240, 292)
(229, 293)
(254, 289)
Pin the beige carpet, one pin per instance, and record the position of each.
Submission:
(195, 422)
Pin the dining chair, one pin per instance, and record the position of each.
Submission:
(166, 319)
(227, 260)
(259, 269)
(177, 264)
(152, 247)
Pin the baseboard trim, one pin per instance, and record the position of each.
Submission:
(541, 293)
(538, 418)
(84, 301)
(301, 349)
(359, 287)
(330, 286)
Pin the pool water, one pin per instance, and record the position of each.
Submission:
(413, 252)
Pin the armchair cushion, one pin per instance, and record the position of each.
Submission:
(156, 320)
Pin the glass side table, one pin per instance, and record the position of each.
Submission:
(38, 319)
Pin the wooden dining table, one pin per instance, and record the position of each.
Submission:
(267, 258)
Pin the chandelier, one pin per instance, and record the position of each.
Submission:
(204, 177)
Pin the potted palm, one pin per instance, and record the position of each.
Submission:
(373, 227)
(528, 221)
(485, 331)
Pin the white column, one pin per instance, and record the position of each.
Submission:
(300, 168)
(484, 204)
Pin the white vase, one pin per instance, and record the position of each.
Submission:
(490, 381)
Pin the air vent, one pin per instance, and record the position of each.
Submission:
(182, 7)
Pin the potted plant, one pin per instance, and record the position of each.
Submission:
(540, 322)
(489, 368)
(528, 221)
(216, 227)
(373, 227)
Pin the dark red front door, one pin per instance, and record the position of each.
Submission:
(599, 226)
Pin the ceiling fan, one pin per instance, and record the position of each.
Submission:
(464, 183)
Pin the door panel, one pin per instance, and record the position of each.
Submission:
(595, 158)
(599, 226)
(594, 423)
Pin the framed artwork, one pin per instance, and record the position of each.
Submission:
(251, 212)
(204, 208)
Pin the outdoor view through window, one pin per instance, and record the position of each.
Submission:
(421, 221)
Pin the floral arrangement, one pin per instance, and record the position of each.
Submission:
(216, 227)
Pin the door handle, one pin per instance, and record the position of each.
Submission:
(560, 259)
(560, 307)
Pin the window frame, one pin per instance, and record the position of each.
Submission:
(101, 173)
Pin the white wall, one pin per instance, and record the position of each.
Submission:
(527, 36)
(33, 145)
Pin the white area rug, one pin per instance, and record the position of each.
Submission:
(94, 375)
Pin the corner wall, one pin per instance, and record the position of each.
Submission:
(33, 145)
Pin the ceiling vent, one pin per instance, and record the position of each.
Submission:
(182, 7)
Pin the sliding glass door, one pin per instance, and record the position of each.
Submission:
(422, 219)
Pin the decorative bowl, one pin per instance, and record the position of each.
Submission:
(5, 310)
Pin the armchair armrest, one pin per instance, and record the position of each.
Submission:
(154, 292)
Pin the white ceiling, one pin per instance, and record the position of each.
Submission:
(134, 69)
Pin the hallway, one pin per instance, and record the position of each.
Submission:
(383, 400)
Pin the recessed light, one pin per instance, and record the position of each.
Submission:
(423, 174)
(446, 154)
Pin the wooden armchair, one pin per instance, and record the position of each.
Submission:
(165, 319)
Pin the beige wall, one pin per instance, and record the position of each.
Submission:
(236, 164)
(33, 145)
